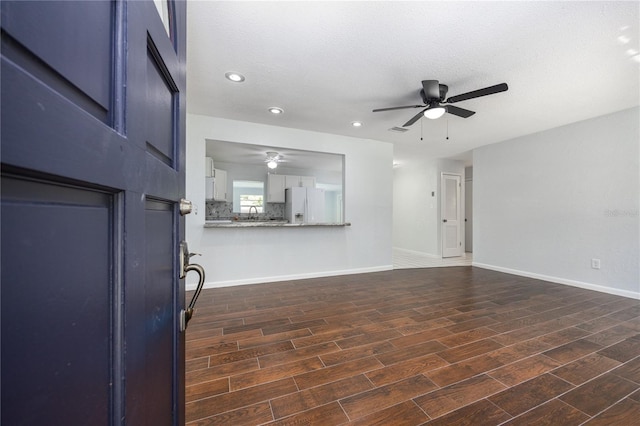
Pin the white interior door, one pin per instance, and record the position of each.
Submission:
(451, 223)
(468, 217)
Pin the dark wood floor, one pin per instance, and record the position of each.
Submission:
(440, 346)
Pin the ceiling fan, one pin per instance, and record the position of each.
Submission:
(273, 158)
(434, 95)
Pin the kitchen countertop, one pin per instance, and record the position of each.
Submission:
(266, 224)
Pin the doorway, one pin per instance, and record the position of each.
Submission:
(468, 209)
(451, 214)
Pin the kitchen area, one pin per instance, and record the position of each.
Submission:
(256, 186)
(356, 173)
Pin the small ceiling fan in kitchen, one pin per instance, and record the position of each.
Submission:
(436, 103)
(273, 158)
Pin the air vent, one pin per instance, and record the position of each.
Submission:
(398, 129)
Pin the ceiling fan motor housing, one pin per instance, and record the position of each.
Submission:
(443, 94)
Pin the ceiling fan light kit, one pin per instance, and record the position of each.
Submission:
(434, 112)
(434, 94)
(272, 159)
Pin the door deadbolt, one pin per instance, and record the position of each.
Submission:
(185, 207)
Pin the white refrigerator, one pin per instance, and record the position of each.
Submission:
(304, 205)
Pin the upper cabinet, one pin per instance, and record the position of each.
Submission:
(216, 185)
(219, 185)
(304, 181)
(276, 185)
(208, 167)
(275, 188)
(308, 181)
(291, 181)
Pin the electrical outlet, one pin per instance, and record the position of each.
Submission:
(595, 263)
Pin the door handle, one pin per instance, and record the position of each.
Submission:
(444, 220)
(186, 267)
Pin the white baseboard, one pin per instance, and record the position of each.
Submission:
(573, 283)
(262, 280)
(419, 253)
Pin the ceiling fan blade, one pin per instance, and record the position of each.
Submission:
(414, 118)
(502, 87)
(460, 112)
(431, 89)
(400, 107)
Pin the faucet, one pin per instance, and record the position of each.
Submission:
(252, 217)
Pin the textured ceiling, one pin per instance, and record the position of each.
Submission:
(330, 63)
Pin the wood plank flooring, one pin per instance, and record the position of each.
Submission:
(441, 346)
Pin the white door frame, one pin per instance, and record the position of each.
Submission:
(451, 223)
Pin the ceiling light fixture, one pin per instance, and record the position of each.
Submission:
(272, 159)
(356, 123)
(275, 110)
(623, 39)
(434, 112)
(234, 76)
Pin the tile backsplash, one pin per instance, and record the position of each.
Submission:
(224, 210)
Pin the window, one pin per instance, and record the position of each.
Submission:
(248, 194)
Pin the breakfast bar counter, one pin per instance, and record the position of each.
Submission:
(267, 224)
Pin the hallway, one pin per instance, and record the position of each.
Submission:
(405, 259)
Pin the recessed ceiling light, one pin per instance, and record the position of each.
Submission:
(234, 76)
(632, 52)
(624, 39)
(276, 110)
(356, 123)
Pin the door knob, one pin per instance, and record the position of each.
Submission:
(186, 267)
(185, 207)
(444, 220)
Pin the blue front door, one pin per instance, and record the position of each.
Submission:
(92, 153)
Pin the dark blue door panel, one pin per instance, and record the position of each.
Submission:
(70, 51)
(63, 239)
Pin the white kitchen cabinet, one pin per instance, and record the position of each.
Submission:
(208, 188)
(275, 188)
(308, 181)
(219, 185)
(276, 184)
(208, 167)
(291, 181)
(295, 181)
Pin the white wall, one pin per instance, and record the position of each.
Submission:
(253, 255)
(416, 213)
(548, 203)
